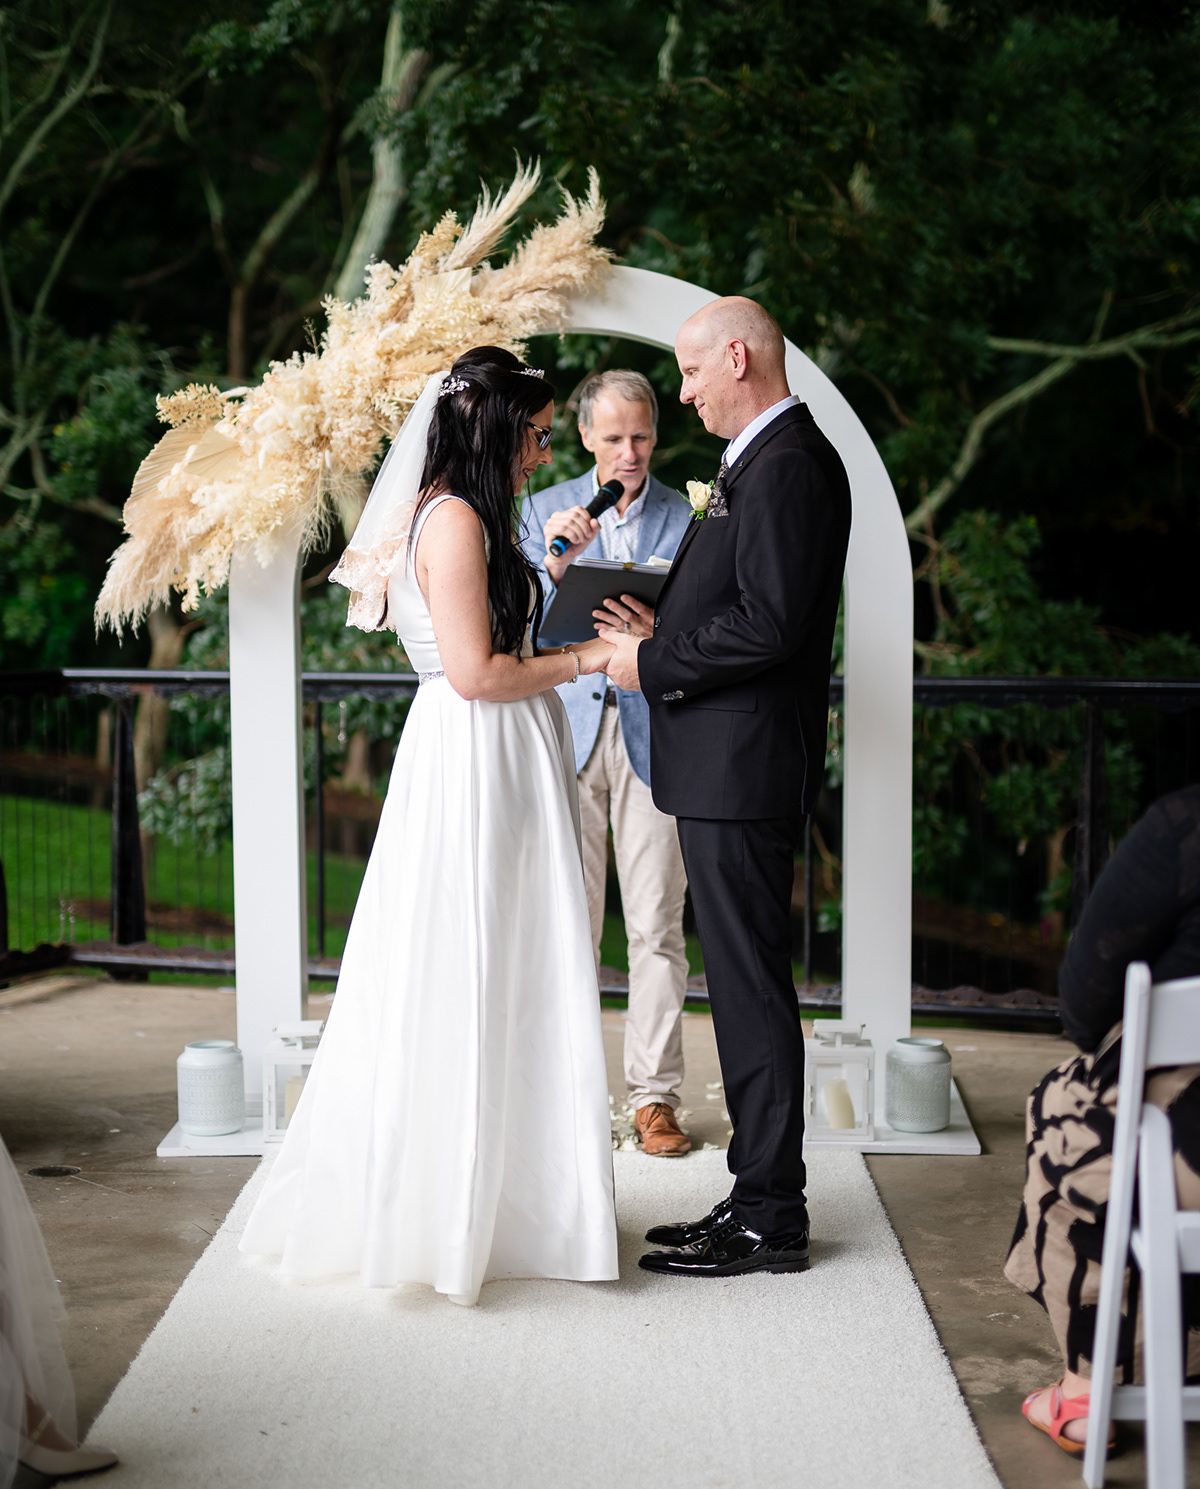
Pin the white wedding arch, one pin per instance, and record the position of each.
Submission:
(268, 783)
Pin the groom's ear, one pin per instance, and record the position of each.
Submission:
(736, 359)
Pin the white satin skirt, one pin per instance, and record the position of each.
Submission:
(455, 1126)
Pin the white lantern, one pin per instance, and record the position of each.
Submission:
(839, 1082)
(286, 1061)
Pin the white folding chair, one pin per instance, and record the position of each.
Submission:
(1162, 1027)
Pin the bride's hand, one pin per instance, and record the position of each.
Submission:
(592, 656)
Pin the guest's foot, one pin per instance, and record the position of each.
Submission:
(730, 1250)
(688, 1232)
(1061, 1412)
(658, 1132)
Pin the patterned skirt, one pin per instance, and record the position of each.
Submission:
(1059, 1239)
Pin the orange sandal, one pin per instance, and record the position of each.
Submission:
(1064, 1409)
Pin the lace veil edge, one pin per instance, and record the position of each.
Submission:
(380, 539)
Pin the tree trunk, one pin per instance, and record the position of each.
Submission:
(103, 757)
(154, 713)
(403, 72)
(356, 769)
(1053, 922)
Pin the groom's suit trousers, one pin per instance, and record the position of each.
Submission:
(741, 873)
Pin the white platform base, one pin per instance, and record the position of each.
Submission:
(245, 1144)
(958, 1140)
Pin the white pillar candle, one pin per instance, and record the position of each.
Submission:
(291, 1095)
(838, 1103)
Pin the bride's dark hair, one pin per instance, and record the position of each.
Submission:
(476, 440)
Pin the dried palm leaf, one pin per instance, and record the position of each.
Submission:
(298, 449)
(492, 220)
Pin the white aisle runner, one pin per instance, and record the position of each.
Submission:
(831, 1379)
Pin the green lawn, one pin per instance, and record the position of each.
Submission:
(57, 862)
(56, 867)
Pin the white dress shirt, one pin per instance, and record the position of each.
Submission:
(756, 426)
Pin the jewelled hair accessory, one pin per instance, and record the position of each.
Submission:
(453, 385)
(531, 372)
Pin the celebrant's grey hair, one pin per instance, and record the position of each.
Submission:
(631, 386)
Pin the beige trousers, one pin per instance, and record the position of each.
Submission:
(650, 872)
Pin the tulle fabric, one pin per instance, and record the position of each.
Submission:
(31, 1312)
(455, 1126)
(380, 538)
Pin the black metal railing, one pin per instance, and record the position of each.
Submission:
(991, 920)
(47, 723)
(73, 743)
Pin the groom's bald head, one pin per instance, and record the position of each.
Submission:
(735, 318)
(731, 356)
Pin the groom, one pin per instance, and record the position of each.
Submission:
(737, 678)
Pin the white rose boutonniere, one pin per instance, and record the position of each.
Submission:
(698, 495)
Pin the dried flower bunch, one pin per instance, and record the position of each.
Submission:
(300, 447)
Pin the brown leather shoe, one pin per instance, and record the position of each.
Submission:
(658, 1132)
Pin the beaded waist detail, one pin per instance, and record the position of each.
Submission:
(428, 676)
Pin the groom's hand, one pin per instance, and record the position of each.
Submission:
(622, 667)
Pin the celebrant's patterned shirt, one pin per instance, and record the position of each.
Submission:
(619, 534)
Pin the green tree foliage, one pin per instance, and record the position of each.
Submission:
(43, 604)
(981, 219)
(912, 189)
(1019, 767)
(191, 800)
(177, 188)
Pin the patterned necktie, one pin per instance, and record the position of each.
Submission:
(717, 505)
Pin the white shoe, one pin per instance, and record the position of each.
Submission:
(62, 1463)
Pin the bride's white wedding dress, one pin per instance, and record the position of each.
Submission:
(455, 1126)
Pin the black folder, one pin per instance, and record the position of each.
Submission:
(587, 583)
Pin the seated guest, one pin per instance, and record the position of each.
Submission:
(1145, 907)
(618, 424)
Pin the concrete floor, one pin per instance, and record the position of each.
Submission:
(87, 1078)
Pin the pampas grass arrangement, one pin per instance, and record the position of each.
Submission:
(252, 465)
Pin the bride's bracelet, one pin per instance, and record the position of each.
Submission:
(567, 652)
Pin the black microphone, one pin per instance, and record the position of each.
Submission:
(608, 496)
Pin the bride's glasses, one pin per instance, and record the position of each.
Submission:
(544, 436)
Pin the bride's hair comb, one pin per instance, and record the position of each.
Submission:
(455, 382)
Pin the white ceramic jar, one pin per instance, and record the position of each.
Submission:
(918, 1086)
(212, 1091)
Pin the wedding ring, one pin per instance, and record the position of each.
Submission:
(626, 625)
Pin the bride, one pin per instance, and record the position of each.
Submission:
(455, 1126)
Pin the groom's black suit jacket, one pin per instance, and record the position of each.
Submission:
(737, 672)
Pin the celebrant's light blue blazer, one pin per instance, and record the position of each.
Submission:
(664, 521)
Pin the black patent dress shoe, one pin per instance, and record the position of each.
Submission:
(730, 1250)
(690, 1232)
